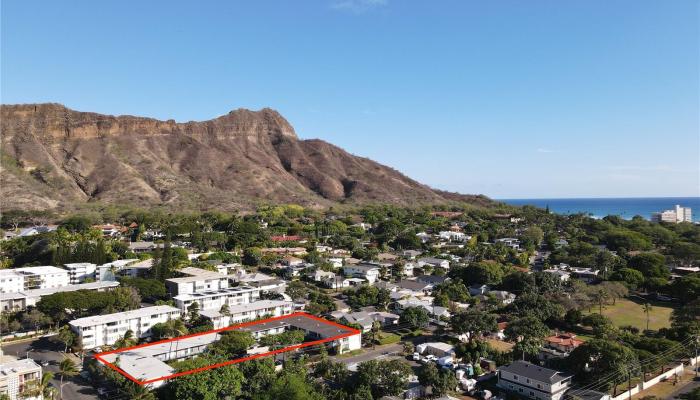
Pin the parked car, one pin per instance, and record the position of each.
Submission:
(416, 356)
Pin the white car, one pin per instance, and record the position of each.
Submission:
(416, 356)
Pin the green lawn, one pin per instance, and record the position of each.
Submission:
(388, 338)
(630, 312)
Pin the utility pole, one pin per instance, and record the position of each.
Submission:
(697, 339)
(629, 384)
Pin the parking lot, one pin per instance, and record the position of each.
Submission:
(49, 354)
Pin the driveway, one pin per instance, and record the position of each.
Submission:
(43, 349)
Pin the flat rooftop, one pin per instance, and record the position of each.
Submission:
(212, 293)
(122, 316)
(254, 306)
(42, 270)
(18, 366)
(80, 265)
(68, 288)
(141, 367)
(142, 363)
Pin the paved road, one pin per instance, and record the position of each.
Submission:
(688, 386)
(369, 354)
(41, 349)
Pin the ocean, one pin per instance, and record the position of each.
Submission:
(624, 207)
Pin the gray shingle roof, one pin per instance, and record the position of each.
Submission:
(535, 372)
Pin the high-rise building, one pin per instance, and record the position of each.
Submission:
(678, 214)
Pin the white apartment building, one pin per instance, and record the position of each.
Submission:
(79, 272)
(454, 236)
(678, 214)
(104, 330)
(214, 299)
(15, 376)
(249, 312)
(513, 243)
(44, 277)
(367, 271)
(19, 301)
(433, 262)
(11, 281)
(198, 280)
(533, 381)
(129, 267)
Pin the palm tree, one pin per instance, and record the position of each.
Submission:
(376, 326)
(600, 297)
(36, 387)
(647, 309)
(225, 311)
(139, 392)
(127, 340)
(408, 348)
(66, 369)
(66, 336)
(176, 327)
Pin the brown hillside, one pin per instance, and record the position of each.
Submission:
(54, 157)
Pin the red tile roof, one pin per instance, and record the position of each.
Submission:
(564, 339)
(285, 238)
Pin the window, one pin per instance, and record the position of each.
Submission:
(515, 377)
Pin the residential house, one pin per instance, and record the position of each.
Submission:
(559, 345)
(438, 349)
(411, 254)
(292, 261)
(513, 243)
(452, 236)
(561, 274)
(434, 262)
(366, 319)
(36, 230)
(368, 272)
(423, 237)
(476, 290)
(502, 296)
(433, 280)
(530, 380)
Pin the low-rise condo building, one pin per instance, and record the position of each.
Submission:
(17, 376)
(104, 330)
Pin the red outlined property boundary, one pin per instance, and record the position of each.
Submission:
(350, 332)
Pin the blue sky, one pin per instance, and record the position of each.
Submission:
(505, 98)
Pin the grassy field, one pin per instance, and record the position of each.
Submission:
(630, 312)
(500, 345)
(388, 338)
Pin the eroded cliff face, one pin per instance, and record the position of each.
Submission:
(56, 157)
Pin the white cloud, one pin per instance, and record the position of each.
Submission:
(541, 150)
(358, 6)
